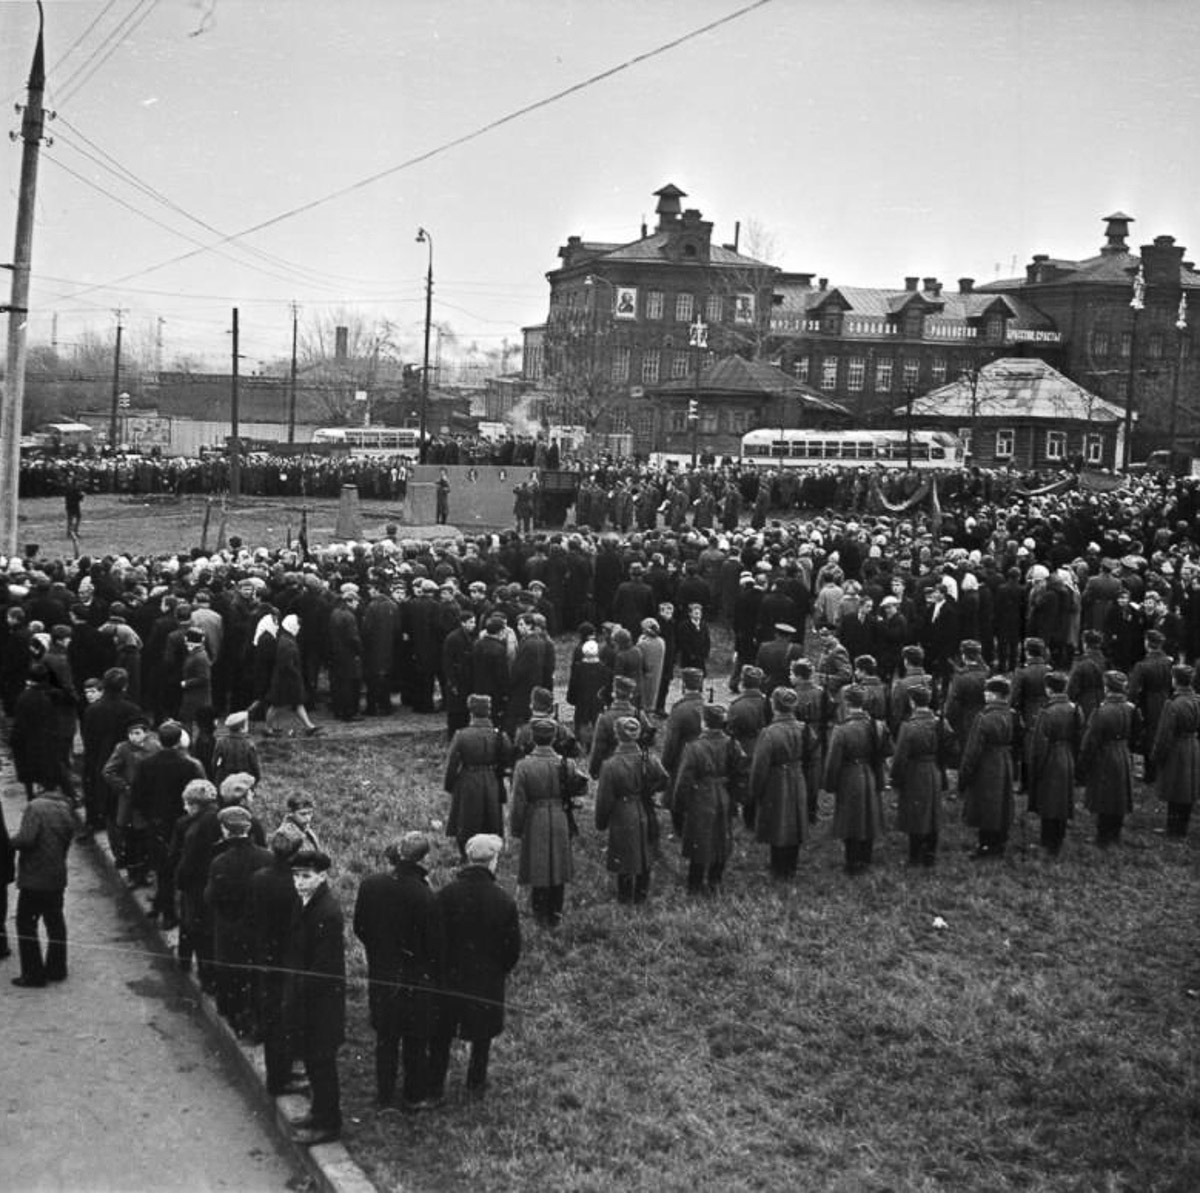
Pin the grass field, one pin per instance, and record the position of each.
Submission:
(822, 1035)
(817, 1035)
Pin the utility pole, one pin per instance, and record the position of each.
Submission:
(292, 390)
(235, 443)
(1181, 347)
(158, 345)
(424, 237)
(114, 415)
(698, 337)
(18, 308)
(909, 394)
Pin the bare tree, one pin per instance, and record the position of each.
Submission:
(370, 362)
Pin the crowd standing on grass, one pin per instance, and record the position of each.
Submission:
(888, 669)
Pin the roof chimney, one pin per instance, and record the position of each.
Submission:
(341, 343)
(966, 285)
(822, 283)
(1116, 232)
(1162, 261)
(910, 284)
(669, 207)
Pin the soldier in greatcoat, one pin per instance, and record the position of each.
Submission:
(748, 714)
(778, 787)
(1149, 689)
(629, 779)
(1055, 738)
(395, 917)
(1085, 684)
(985, 774)
(964, 696)
(919, 777)
(703, 795)
(915, 676)
(1028, 696)
(1106, 760)
(852, 776)
(604, 739)
(812, 708)
(1176, 751)
(479, 756)
(542, 785)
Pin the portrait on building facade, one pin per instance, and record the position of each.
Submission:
(626, 307)
(743, 310)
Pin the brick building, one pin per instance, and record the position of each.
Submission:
(622, 319)
(1106, 345)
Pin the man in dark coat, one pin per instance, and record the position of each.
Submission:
(1149, 690)
(41, 843)
(481, 933)
(489, 662)
(458, 670)
(227, 895)
(102, 728)
(274, 906)
(396, 918)
(345, 655)
(315, 995)
(533, 667)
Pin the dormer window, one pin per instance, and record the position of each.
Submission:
(995, 327)
(690, 250)
(831, 322)
(914, 324)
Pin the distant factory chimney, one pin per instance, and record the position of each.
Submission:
(341, 343)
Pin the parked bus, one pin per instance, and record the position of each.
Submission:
(815, 448)
(371, 441)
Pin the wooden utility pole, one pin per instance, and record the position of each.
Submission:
(1136, 304)
(235, 442)
(18, 309)
(292, 391)
(114, 416)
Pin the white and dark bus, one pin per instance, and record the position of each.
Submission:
(371, 441)
(782, 448)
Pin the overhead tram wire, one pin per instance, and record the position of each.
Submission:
(53, 70)
(78, 78)
(454, 143)
(304, 273)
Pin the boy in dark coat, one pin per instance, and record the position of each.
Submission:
(481, 935)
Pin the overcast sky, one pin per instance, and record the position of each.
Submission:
(869, 140)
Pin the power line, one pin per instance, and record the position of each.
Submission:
(446, 146)
(78, 79)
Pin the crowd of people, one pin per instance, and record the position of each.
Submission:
(1005, 643)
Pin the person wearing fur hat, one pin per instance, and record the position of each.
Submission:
(708, 784)
(479, 757)
(544, 787)
(481, 942)
(395, 917)
(985, 779)
(918, 776)
(1106, 761)
(1054, 739)
(604, 740)
(1149, 690)
(852, 765)
(1176, 751)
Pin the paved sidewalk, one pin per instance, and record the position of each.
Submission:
(112, 1079)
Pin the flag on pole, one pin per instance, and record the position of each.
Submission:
(1181, 318)
(1138, 301)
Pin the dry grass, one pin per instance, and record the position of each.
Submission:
(818, 1035)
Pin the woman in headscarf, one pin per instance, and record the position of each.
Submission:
(285, 692)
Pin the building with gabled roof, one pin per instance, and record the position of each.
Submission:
(622, 319)
(1022, 413)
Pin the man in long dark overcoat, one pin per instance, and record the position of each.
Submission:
(396, 918)
(481, 933)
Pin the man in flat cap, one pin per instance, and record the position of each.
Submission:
(481, 934)
(227, 894)
(395, 917)
(315, 994)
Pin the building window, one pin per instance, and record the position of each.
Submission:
(995, 328)
(1126, 343)
(685, 305)
(937, 372)
(679, 364)
(620, 365)
(654, 304)
(800, 368)
(1005, 439)
(883, 376)
(912, 371)
(856, 374)
(831, 323)
(713, 305)
(1154, 346)
(618, 421)
(708, 420)
(650, 367)
(1095, 449)
(1099, 342)
(967, 436)
(829, 370)
(914, 325)
(643, 423)
(1056, 445)
(679, 421)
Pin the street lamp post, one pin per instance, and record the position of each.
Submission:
(1181, 344)
(909, 394)
(1136, 303)
(698, 338)
(592, 381)
(424, 237)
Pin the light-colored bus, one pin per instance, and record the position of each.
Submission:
(780, 448)
(371, 441)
